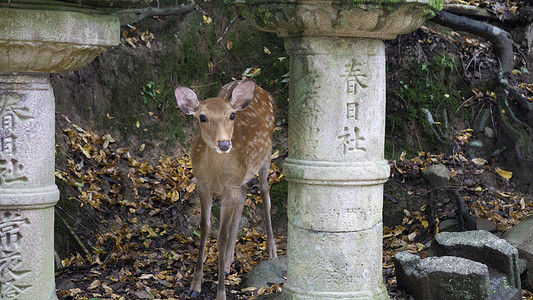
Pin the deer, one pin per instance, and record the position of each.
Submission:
(233, 144)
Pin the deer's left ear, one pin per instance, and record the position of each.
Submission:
(242, 95)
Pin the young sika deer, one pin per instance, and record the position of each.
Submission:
(234, 144)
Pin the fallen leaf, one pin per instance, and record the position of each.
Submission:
(505, 174)
(479, 161)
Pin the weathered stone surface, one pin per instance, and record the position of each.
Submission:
(111, 3)
(464, 265)
(381, 20)
(335, 186)
(335, 167)
(437, 175)
(445, 277)
(53, 41)
(481, 246)
(271, 271)
(27, 187)
(32, 43)
(521, 236)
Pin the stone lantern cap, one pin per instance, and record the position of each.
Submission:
(111, 3)
(382, 19)
(56, 36)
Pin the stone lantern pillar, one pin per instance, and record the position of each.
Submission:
(336, 167)
(36, 38)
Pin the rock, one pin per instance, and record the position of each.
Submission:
(66, 285)
(268, 272)
(481, 246)
(449, 225)
(462, 265)
(477, 144)
(489, 132)
(521, 236)
(445, 277)
(482, 120)
(437, 175)
(484, 224)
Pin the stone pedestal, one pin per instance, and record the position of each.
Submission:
(336, 168)
(27, 189)
(36, 40)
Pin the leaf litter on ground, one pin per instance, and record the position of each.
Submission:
(141, 245)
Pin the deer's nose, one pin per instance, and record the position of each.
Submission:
(224, 145)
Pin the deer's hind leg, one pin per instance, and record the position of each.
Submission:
(265, 196)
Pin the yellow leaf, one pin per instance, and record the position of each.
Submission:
(190, 188)
(266, 50)
(94, 284)
(175, 196)
(86, 150)
(137, 124)
(146, 276)
(420, 247)
(275, 155)
(141, 148)
(147, 243)
(78, 128)
(479, 161)
(229, 44)
(425, 223)
(207, 20)
(479, 189)
(505, 174)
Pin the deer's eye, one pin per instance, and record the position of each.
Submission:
(203, 118)
(232, 116)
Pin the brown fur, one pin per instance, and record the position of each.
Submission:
(224, 175)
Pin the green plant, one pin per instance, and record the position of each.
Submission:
(150, 91)
(427, 90)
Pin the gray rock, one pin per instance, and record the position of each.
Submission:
(489, 132)
(445, 277)
(462, 265)
(448, 225)
(482, 120)
(481, 246)
(437, 175)
(268, 272)
(521, 236)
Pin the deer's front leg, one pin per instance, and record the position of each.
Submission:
(265, 196)
(240, 196)
(206, 200)
(227, 211)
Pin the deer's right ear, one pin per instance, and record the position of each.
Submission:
(187, 100)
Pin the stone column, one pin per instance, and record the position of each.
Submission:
(34, 41)
(336, 168)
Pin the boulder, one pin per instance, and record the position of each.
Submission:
(462, 265)
(521, 237)
(437, 175)
(268, 272)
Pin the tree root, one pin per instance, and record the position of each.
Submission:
(500, 39)
(516, 130)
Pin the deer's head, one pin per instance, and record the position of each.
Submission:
(216, 115)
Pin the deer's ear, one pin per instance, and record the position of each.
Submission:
(187, 100)
(242, 95)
